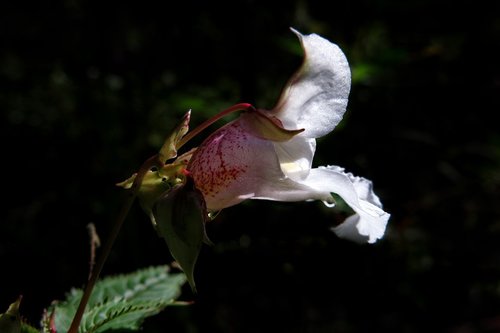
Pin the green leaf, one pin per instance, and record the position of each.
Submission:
(11, 322)
(25, 328)
(120, 302)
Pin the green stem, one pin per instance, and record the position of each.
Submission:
(197, 130)
(146, 166)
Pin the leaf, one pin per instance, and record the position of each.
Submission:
(10, 321)
(25, 328)
(121, 302)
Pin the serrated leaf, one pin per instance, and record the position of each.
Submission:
(119, 314)
(121, 302)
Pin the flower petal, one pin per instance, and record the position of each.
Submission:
(296, 156)
(264, 126)
(370, 220)
(233, 165)
(316, 96)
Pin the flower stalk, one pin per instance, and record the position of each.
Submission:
(146, 166)
(204, 125)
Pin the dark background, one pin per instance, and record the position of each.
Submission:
(89, 89)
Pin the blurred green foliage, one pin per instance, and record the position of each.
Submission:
(88, 90)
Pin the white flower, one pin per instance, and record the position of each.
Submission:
(269, 154)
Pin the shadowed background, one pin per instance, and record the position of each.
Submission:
(89, 91)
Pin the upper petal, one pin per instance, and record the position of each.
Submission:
(316, 96)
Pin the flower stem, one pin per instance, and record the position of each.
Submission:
(197, 130)
(146, 166)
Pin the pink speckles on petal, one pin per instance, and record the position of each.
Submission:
(218, 162)
(226, 166)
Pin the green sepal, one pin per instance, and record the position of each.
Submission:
(157, 182)
(266, 127)
(169, 148)
(152, 186)
(180, 216)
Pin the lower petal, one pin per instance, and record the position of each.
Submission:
(366, 225)
(370, 220)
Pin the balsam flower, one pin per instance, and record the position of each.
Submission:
(264, 154)
(268, 154)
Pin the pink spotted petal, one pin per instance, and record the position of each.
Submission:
(233, 165)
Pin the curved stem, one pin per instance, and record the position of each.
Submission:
(197, 130)
(146, 166)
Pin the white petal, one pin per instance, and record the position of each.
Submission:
(370, 220)
(295, 156)
(348, 229)
(316, 96)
